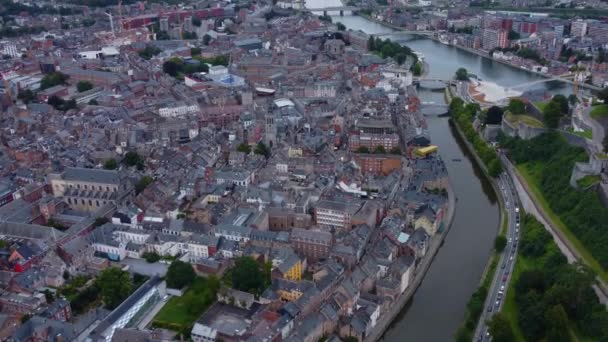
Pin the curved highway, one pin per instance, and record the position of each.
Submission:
(502, 276)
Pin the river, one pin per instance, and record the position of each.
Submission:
(438, 306)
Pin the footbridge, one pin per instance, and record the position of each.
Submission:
(405, 33)
(544, 80)
(342, 10)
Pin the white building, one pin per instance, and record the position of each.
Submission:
(177, 110)
(150, 292)
(11, 50)
(108, 51)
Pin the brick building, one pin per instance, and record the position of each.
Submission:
(312, 244)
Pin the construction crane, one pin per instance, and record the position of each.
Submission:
(111, 23)
(120, 15)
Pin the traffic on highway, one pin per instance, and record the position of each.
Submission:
(500, 283)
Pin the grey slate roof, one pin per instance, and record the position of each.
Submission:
(91, 175)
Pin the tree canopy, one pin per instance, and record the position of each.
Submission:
(133, 158)
(115, 285)
(462, 74)
(262, 149)
(552, 114)
(500, 329)
(500, 243)
(110, 164)
(245, 148)
(247, 275)
(517, 106)
(83, 86)
(494, 115)
(180, 274)
(52, 79)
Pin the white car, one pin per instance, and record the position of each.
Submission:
(516, 209)
(511, 258)
(502, 287)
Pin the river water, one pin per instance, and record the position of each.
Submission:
(438, 306)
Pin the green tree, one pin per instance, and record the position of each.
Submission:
(196, 22)
(500, 329)
(494, 116)
(379, 150)
(262, 149)
(371, 43)
(132, 158)
(151, 257)
(462, 74)
(26, 96)
(143, 183)
(149, 51)
(494, 167)
(172, 67)
(416, 69)
(552, 114)
(115, 285)
(48, 295)
(195, 51)
(517, 106)
(562, 101)
(180, 274)
(52, 79)
(110, 164)
(93, 102)
(207, 39)
(500, 243)
(247, 275)
(605, 143)
(83, 86)
(556, 321)
(362, 149)
(395, 150)
(100, 221)
(245, 148)
(572, 99)
(340, 26)
(189, 35)
(514, 35)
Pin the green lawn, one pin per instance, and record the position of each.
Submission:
(540, 105)
(180, 312)
(585, 134)
(588, 181)
(525, 119)
(527, 174)
(599, 111)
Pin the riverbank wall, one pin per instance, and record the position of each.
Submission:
(480, 53)
(387, 318)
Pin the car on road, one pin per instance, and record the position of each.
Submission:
(490, 308)
(511, 258)
(504, 278)
(503, 266)
(502, 287)
(497, 302)
(516, 209)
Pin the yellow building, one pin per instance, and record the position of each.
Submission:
(425, 151)
(294, 152)
(289, 290)
(291, 268)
